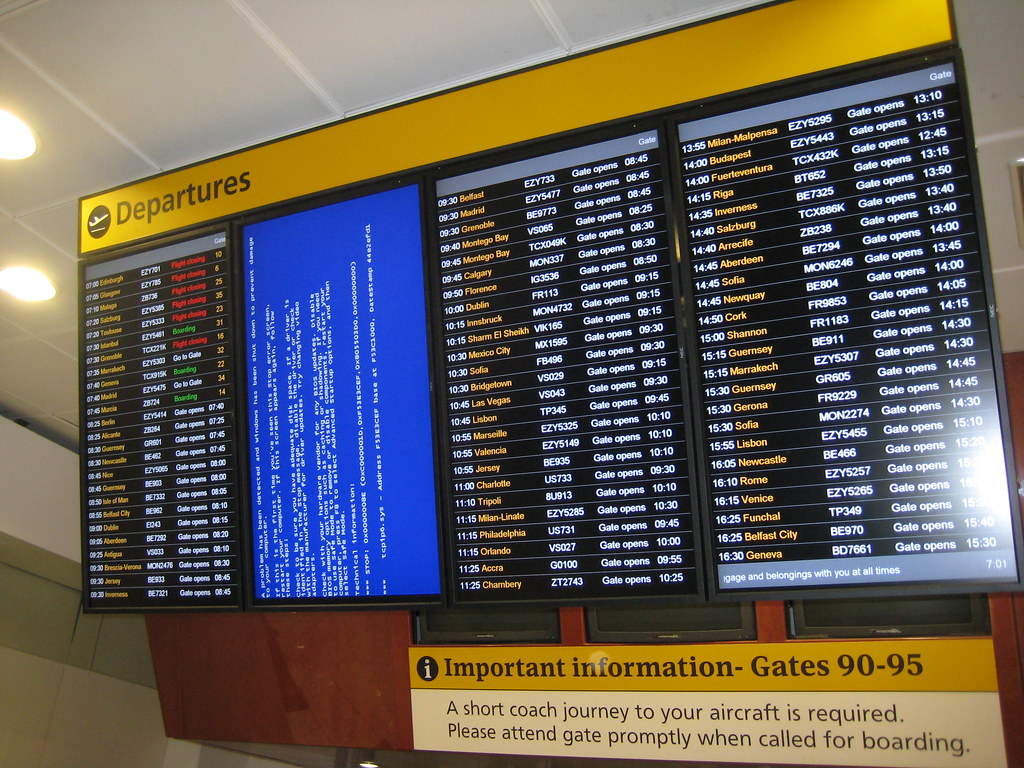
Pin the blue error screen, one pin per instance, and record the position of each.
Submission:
(342, 478)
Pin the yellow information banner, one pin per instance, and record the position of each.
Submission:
(762, 46)
(926, 704)
(877, 665)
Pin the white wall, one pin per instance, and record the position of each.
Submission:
(990, 36)
(39, 499)
(56, 715)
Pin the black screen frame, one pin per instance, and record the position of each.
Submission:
(492, 630)
(745, 629)
(802, 625)
(862, 72)
(141, 250)
(527, 151)
(271, 213)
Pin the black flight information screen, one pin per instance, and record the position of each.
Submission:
(846, 362)
(158, 447)
(564, 405)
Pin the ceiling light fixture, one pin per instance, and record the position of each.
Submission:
(26, 284)
(16, 139)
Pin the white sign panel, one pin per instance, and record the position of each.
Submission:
(924, 704)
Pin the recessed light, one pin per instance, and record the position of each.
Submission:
(26, 284)
(16, 139)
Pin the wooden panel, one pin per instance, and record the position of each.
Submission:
(1008, 610)
(771, 621)
(401, 636)
(1013, 367)
(573, 625)
(163, 646)
(1006, 643)
(296, 678)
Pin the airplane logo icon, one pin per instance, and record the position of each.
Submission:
(98, 222)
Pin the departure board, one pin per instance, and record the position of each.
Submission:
(341, 454)
(564, 405)
(158, 449)
(847, 373)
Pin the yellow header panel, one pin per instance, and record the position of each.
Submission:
(965, 664)
(763, 46)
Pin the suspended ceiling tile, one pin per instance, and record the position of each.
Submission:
(9, 331)
(39, 374)
(293, 754)
(57, 225)
(20, 247)
(65, 341)
(180, 80)
(372, 53)
(989, 32)
(38, 319)
(75, 157)
(19, 243)
(593, 22)
(123, 728)
(68, 417)
(28, 696)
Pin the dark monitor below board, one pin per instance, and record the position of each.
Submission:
(454, 626)
(926, 616)
(701, 623)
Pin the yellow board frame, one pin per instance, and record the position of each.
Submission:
(765, 45)
(940, 664)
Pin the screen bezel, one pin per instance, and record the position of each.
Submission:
(526, 151)
(237, 526)
(805, 86)
(547, 634)
(746, 631)
(367, 602)
(800, 627)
